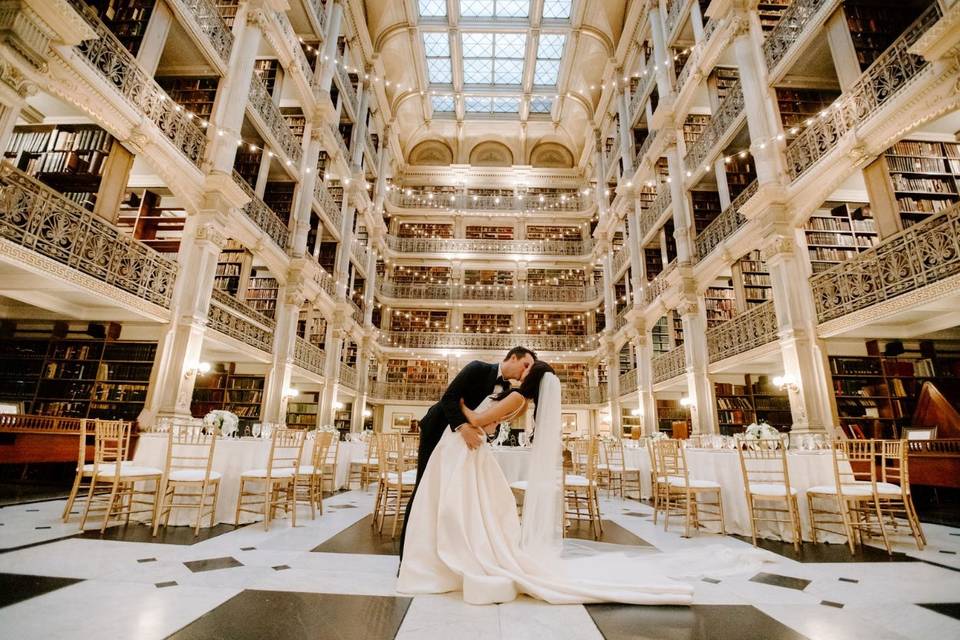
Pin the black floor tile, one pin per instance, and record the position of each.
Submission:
(697, 622)
(822, 552)
(165, 535)
(778, 580)
(361, 537)
(143, 560)
(951, 609)
(636, 514)
(162, 585)
(854, 581)
(212, 564)
(828, 603)
(612, 533)
(279, 614)
(16, 588)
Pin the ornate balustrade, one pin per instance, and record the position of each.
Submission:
(359, 252)
(658, 286)
(355, 311)
(372, 151)
(621, 320)
(725, 224)
(647, 143)
(231, 317)
(794, 21)
(349, 91)
(620, 258)
(583, 395)
(919, 256)
(324, 280)
(672, 19)
(462, 245)
(496, 341)
(638, 99)
(747, 331)
(414, 198)
(651, 215)
(120, 69)
(727, 113)
(308, 356)
(262, 215)
(543, 293)
(38, 218)
(338, 140)
(266, 108)
(320, 11)
(26, 423)
(328, 204)
(669, 365)
(299, 58)
(348, 376)
(209, 22)
(406, 391)
(508, 293)
(628, 381)
(884, 80)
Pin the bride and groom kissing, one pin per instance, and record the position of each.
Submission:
(462, 531)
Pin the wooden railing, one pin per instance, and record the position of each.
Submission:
(26, 423)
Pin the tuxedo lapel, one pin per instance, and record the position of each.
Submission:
(491, 379)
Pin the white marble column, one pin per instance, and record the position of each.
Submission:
(703, 415)
(642, 346)
(290, 299)
(329, 56)
(661, 57)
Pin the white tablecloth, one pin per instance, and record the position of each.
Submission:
(513, 461)
(637, 458)
(231, 458)
(807, 469)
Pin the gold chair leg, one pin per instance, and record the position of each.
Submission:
(213, 507)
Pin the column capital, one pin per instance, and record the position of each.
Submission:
(778, 246)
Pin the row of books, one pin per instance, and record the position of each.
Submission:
(733, 402)
(822, 223)
(831, 255)
(121, 392)
(926, 185)
(923, 205)
(920, 148)
(910, 164)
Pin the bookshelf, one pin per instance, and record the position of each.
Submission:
(660, 336)
(571, 374)
(233, 268)
(228, 10)
(302, 410)
(268, 70)
(556, 277)
(484, 232)
(195, 94)
(67, 158)
(279, 197)
(874, 25)
(671, 415)
(226, 390)
(653, 260)
(756, 400)
(553, 233)
(797, 105)
(247, 164)
(154, 219)
(488, 277)
(487, 322)
(770, 12)
(417, 371)
(923, 176)
(838, 234)
(420, 320)
(127, 19)
(425, 230)
(295, 120)
(555, 324)
(720, 81)
(261, 294)
(706, 207)
(719, 302)
(740, 173)
(77, 377)
(419, 274)
(755, 278)
(694, 125)
(677, 327)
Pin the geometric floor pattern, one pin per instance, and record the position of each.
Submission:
(333, 577)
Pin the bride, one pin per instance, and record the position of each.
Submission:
(464, 533)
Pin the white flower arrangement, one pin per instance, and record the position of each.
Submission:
(760, 431)
(329, 428)
(658, 435)
(225, 422)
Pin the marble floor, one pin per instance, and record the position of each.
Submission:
(334, 578)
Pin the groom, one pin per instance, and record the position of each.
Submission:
(475, 382)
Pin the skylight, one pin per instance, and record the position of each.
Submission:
(541, 104)
(493, 58)
(554, 9)
(432, 8)
(488, 105)
(437, 47)
(549, 53)
(494, 8)
(443, 104)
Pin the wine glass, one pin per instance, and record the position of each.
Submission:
(257, 429)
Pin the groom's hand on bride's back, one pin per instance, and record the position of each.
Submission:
(472, 436)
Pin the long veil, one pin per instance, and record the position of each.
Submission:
(541, 529)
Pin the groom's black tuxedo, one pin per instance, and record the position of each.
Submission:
(474, 383)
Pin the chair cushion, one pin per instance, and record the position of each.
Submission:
(362, 461)
(407, 477)
(888, 489)
(110, 465)
(577, 481)
(610, 467)
(305, 470)
(285, 472)
(694, 484)
(519, 485)
(765, 489)
(192, 475)
(129, 471)
(848, 489)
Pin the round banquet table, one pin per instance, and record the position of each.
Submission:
(807, 469)
(639, 458)
(513, 461)
(231, 457)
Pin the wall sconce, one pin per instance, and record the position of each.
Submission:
(290, 393)
(685, 401)
(198, 369)
(367, 413)
(786, 381)
(338, 405)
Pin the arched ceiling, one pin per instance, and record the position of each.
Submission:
(520, 71)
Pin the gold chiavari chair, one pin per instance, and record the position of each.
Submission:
(329, 484)
(766, 484)
(81, 481)
(398, 477)
(188, 475)
(580, 489)
(309, 487)
(657, 479)
(364, 468)
(610, 468)
(680, 494)
(111, 446)
(853, 496)
(893, 489)
(277, 483)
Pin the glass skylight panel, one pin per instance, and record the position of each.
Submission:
(476, 8)
(557, 9)
(547, 72)
(476, 104)
(443, 104)
(436, 44)
(541, 104)
(493, 58)
(494, 8)
(510, 45)
(477, 70)
(432, 8)
(513, 8)
(439, 70)
(477, 45)
(506, 105)
(508, 72)
(549, 53)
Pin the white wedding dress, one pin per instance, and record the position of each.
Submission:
(464, 533)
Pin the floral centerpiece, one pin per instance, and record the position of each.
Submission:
(223, 422)
(755, 432)
(658, 435)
